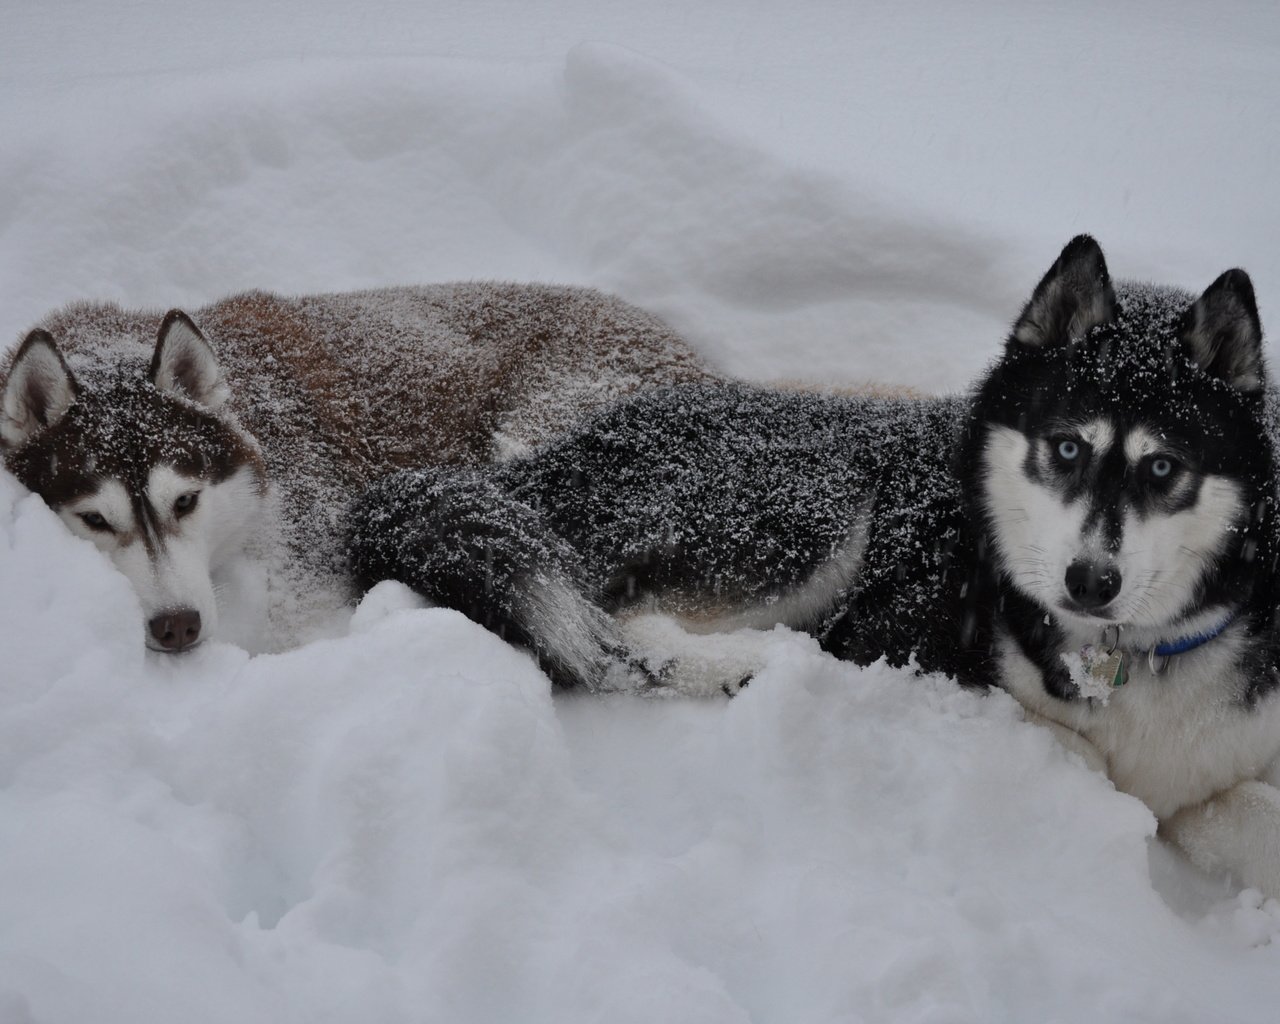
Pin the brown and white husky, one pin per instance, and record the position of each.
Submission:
(178, 449)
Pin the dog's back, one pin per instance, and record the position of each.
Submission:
(336, 390)
(340, 389)
(723, 504)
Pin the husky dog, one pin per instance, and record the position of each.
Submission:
(1092, 529)
(166, 455)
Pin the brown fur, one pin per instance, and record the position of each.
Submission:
(406, 376)
(341, 389)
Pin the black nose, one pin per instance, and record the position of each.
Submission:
(175, 630)
(1090, 586)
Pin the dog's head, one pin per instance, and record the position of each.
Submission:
(1119, 452)
(142, 460)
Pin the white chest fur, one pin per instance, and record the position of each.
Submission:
(1172, 738)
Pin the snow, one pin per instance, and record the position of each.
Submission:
(401, 822)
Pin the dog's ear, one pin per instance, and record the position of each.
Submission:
(1222, 334)
(185, 364)
(1075, 295)
(38, 392)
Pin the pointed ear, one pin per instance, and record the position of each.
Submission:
(1222, 334)
(1075, 295)
(38, 392)
(184, 363)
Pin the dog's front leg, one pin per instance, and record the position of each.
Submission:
(1238, 830)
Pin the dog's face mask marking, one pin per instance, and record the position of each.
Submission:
(1091, 533)
(1114, 486)
(139, 462)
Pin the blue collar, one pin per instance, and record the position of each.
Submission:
(1190, 643)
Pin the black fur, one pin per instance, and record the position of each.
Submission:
(719, 494)
(462, 541)
(722, 495)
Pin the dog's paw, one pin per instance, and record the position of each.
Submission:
(651, 674)
(690, 664)
(703, 677)
(1237, 831)
(733, 689)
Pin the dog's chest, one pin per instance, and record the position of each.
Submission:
(1171, 738)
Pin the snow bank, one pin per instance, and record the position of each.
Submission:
(344, 176)
(401, 823)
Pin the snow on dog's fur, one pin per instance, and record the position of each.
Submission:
(1093, 529)
(164, 443)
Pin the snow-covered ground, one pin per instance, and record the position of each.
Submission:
(401, 824)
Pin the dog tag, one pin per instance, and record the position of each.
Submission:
(1106, 669)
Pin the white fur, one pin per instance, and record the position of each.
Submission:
(1099, 434)
(1172, 739)
(1161, 557)
(1037, 537)
(177, 570)
(1139, 443)
(574, 628)
(1164, 557)
(1237, 830)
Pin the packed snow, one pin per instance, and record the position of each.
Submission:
(401, 822)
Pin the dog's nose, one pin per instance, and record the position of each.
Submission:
(1091, 586)
(176, 630)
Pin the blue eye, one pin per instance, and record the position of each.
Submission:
(1161, 467)
(96, 521)
(1068, 450)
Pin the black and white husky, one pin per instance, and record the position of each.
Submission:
(180, 464)
(1092, 529)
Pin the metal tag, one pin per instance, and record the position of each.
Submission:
(1109, 669)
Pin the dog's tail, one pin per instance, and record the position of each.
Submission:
(462, 541)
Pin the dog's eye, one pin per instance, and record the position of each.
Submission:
(186, 503)
(1161, 467)
(96, 521)
(1068, 450)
